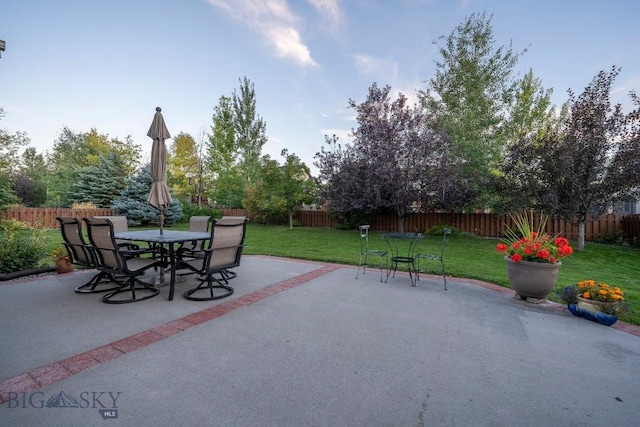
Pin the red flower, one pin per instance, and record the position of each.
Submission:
(565, 250)
(543, 253)
(526, 244)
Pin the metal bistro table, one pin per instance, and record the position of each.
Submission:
(392, 239)
(169, 238)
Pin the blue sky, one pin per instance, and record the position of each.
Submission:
(107, 64)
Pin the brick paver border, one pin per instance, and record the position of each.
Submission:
(58, 371)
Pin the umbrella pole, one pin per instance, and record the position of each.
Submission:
(161, 222)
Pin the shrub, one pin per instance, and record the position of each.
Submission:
(191, 209)
(612, 238)
(21, 247)
(437, 230)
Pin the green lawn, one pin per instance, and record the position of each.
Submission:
(464, 257)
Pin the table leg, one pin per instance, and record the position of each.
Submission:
(172, 263)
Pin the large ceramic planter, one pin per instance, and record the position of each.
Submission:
(532, 281)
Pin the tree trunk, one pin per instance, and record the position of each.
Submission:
(290, 220)
(401, 223)
(580, 236)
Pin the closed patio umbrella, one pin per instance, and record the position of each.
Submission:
(159, 196)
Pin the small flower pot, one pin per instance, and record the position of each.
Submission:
(587, 311)
(63, 266)
(589, 305)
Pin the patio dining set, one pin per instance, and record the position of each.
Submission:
(208, 250)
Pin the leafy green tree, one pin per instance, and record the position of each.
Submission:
(221, 145)
(10, 145)
(234, 147)
(100, 184)
(281, 189)
(132, 202)
(250, 130)
(7, 193)
(532, 117)
(296, 187)
(470, 96)
(183, 165)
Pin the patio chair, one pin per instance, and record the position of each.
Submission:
(197, 223)
(120, 264)
(228, 274)
(366, 252)
(121, 224)
(438, 257)
(223, 252)
(82, 255)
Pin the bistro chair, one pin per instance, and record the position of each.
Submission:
(437, 257)
(223, 252)
(120, 264)
(366, 252)
(82, 254)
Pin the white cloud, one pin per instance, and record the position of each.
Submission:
(382, 69)
(329, 10)
(274, 21)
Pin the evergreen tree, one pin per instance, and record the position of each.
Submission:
(100, 184)
(132, 202)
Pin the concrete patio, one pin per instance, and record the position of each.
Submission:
(306, 344)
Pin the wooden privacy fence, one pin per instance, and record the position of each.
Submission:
(631, 227)
(480, 224)
(46, 217)
(483, 225)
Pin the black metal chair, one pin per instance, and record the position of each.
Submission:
(82, 255)
(438, 257)
(366, 252)
(121, 265)
(223, 252)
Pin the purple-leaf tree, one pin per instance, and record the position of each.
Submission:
(396, 162)
(588, 164)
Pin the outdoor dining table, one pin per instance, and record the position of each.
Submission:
(398, 257)
(169, 238)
